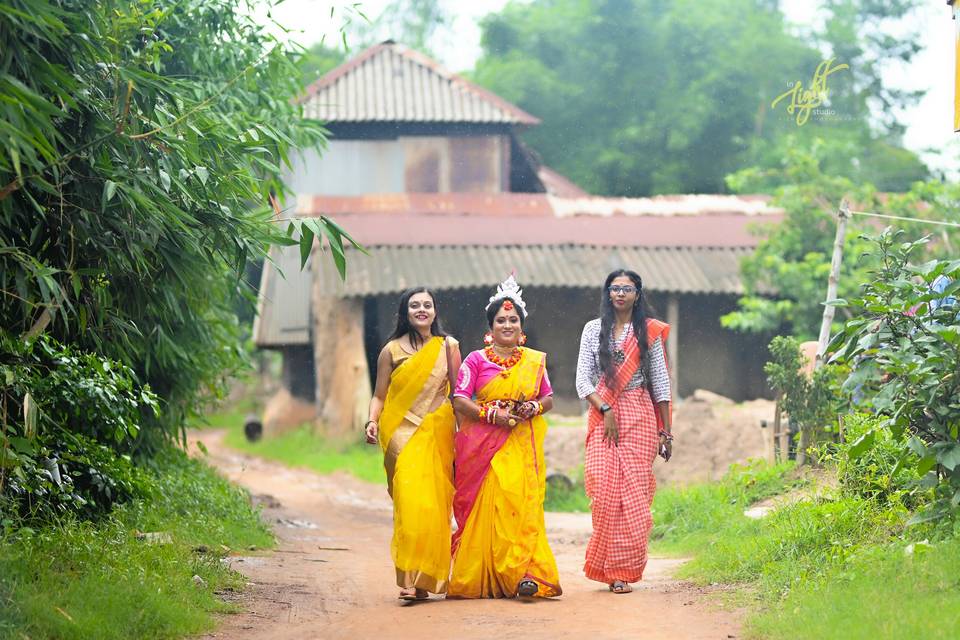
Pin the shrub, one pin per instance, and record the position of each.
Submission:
(903, 346)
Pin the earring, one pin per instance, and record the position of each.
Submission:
(488, 338)
(523, 339)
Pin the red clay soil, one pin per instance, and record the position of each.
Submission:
(331, 577)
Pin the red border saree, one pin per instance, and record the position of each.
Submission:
(500, 483)
(619, 479)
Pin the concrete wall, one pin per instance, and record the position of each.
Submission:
(423, 164)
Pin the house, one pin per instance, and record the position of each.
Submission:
(427, 172)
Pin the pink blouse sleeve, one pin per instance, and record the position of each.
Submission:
(467, 376)
(546, 389)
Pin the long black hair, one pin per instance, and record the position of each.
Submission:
(608, 318)
(403, 327)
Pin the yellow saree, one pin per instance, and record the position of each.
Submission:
(416, 434)
(501, 482)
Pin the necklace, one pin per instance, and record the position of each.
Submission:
(506, 363)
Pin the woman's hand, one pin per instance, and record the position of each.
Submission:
(611, 433)
(373, 430)
(666, 448)
(528, 409)
(503, 419)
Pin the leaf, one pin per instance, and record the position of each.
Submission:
(306, 244)
(926, 464)
(836, 302)
(29, 415)
(951, 458)
(861, 445)
(203, 174)
(109, 190)
(165, 180)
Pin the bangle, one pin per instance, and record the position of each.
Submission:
(368, 423)
(482, 414)
(539, 407)
(666, 434)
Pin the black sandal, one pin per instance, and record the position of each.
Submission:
(527, 588)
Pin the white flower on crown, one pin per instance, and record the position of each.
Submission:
(509, 289)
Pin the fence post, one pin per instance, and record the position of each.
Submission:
(843, 214)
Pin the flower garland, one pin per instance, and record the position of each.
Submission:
(506, 363)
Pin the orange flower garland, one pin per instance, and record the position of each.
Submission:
(506, 363)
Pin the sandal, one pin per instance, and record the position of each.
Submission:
(418, 594)
(619, 586)
(527, 588)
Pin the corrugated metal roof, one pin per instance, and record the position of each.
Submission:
(283, 302)
(391, 83)
(284, 305)
(391, 269)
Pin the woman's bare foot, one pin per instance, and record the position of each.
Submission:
(619, 586)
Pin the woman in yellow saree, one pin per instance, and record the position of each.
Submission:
(412, 419)
(500, 548)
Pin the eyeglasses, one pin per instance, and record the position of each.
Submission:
(624, 289)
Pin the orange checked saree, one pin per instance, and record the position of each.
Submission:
(500, 483)
(619, 478)
(416, 434)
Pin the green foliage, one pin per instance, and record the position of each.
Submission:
(920, 588)
(143, 150)
(75, 579)
(792, 261)
(684, 517)
(812, 402)
(639, 97)
(58, 406)
(867, 463)
(905, 353)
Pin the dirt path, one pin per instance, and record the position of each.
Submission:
(331, 577)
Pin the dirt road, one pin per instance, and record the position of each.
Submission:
(331, 577)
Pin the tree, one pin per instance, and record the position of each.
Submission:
(143, 144)
(786, 277)
(640, 97)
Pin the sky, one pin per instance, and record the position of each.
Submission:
(929, 123)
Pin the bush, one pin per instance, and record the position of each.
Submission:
(51, 461)
(874, 472)
(903, 346)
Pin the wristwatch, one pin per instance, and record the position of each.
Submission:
(605, 407)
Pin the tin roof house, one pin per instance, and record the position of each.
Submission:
(426, 170)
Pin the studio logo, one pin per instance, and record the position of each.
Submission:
(804, 101)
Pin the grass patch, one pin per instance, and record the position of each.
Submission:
(303, 448)
(78, 579)
(689, 519)
(563, 497)
(831, 566)
(880, 592)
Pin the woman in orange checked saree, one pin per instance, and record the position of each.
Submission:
(412, 418)
(500, 547)
(622, 373)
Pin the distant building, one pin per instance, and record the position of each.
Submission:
(426, 170)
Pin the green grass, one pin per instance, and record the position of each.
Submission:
(303, 448)
(561, 498)
(819, 567)
(878, 593)
(100, 580)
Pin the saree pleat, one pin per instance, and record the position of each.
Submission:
(416, 434)
(501, 483)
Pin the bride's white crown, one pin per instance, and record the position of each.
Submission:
(509, 289)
